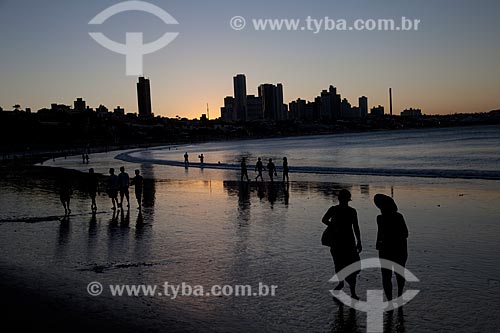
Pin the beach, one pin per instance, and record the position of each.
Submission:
(202, 226)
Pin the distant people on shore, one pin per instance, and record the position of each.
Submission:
(93, 188)
(186, 159)
(112, 188)
(285, 170)
(138, 183)
(124, 183)
(85, 158)
(391, 244)
(271, 168)
(244, 170)
(343, 237)
(202, 159)
(259, 167)
(65, 192)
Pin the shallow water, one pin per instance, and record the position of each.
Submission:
(204, 227)
(463, 152)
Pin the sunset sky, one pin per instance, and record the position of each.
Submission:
(452, 64)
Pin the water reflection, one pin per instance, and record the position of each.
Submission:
(345, 320)
(243, 197)
(272, 192)
(286, 193)
(125, 218)
(143, 238)
(394, 325)
(63, 237)
(328, 190)
(92, 236)
(275, 192)
(149, 195)
(365, 191)
(139, 222)
(118, 235)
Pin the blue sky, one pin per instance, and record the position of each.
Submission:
(452, 64)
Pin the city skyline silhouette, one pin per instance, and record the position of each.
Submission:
(441, 68)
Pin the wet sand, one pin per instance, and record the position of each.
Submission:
(203, 227)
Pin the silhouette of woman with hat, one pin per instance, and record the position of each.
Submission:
(391, 241)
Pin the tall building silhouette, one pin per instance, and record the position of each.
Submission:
(346, 108)
(377, 111)
(144, 98)
(272, 101)
(335, 103)
(227, 111)
(79, 105)
(330, 104)
(254, 108)
(326, 106)
(240, 107)
(363, 106)
(281, 109)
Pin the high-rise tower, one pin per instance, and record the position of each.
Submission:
(144, 98)
(240, 97)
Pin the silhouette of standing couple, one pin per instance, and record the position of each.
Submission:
(343, 237)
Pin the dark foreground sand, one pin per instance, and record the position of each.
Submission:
(28, 306)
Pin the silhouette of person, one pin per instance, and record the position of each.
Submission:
(285, 170)
(112, 188)
(87, 158)
(93, 187)
(186, 159)
(391, 244)
(138, 183)
(272, 169)
(202, 159)
(65, 192)
(244, 170)
(259, 167)
(124, 183)
(345, 238)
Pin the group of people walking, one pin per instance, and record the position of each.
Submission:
(119, 184)
(259, 168)
(117, 188)
(343, 236)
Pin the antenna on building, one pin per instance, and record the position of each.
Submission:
(208, 112)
